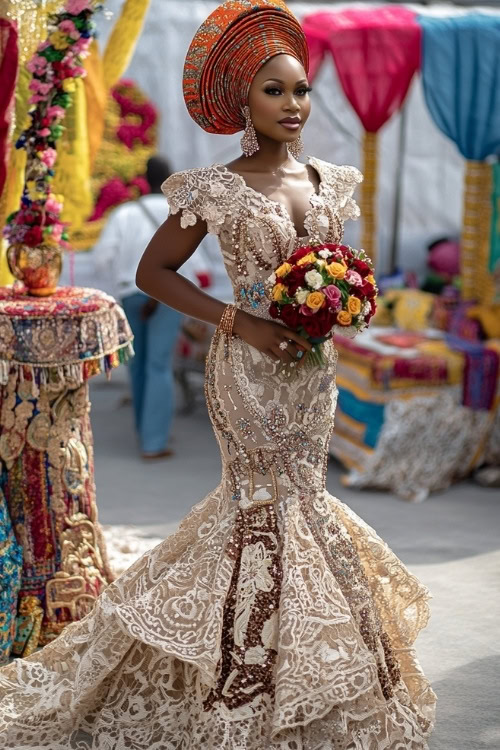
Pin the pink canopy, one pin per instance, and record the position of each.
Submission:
(376, 52)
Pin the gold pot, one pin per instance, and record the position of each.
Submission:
(38, 268)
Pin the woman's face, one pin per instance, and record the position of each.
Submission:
(279, 99)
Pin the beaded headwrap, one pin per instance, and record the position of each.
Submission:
(228, 50)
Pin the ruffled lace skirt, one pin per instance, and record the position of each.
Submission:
(273, 619)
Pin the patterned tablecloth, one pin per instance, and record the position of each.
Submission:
(53, 561)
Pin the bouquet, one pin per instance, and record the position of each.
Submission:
(321, 290)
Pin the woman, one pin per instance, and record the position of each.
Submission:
(274, 618)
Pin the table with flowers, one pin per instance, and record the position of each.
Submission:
(53, 560)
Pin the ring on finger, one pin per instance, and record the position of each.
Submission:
(283, 345)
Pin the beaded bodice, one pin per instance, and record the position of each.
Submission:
(255, 232)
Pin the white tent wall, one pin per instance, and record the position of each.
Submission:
(431, 202)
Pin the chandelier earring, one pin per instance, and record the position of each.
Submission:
(249, 142)
(296, 147)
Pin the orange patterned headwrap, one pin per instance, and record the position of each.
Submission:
(228, 50)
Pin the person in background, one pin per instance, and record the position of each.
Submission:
(154, 325)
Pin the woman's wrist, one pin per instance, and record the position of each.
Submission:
(240, 320)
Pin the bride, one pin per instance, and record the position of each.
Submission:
(274, 618)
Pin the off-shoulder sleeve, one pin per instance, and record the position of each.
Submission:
(341, 182)
(197, 194)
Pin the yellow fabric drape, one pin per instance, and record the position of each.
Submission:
(368, 194)
(72, 172)
(477, 281)
(96, 95)
(122, 41)
(13, 188)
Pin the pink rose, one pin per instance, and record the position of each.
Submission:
(37, 64)
(57, 230)
(305, 310)
(43, 133)
(52, 205)
(81, 45)
(353, 278)
(55, 112)
(333, 296)
(36, 98)
(75, 7)
(48, 157)
(69, 28)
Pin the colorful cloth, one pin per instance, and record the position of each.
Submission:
(228, 50)
(67, 337)
(11, 562)
(49, 348)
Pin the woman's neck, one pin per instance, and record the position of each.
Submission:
(271, 156)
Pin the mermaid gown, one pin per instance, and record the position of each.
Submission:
(274, 618)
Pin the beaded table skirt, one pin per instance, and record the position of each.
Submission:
(53, 557)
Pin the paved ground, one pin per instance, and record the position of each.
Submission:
(451, 541)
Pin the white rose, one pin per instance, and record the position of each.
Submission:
(301, 296)
(324, 254)
(272, 279)
(320, 263)
(314, 279)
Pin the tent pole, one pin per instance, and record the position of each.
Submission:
(393, 254)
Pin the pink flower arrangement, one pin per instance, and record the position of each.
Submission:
(75, 7)
(56, 62)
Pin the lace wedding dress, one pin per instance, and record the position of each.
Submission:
(274, 618)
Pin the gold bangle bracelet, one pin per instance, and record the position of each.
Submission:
(227, 320)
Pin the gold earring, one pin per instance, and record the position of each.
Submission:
(249, 142)
(296, 147)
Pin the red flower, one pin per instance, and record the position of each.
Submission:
(361, 267)
(368, 290)
(319, 324)
(33, 236)
(291, 316)
(295, 278)
(373, 309)
(298, 254)
(274, 310)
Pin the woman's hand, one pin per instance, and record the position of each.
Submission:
(267, 336)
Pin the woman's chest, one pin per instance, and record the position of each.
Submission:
(260, 234)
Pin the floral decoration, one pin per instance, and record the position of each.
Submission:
(136, 127)
(54, 68)
(321, 290)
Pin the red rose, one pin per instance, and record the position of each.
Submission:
(319, 324)
(274, 310)
(373, 309)
(295, 278)
(290, 316)
(298, 254)
(33, 236)
(368, 290)
(361, 267)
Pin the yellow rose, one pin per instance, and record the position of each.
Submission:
(69, 85)
(371, 278)
(315, 300)
(354, 305)
(278, 292)
(336, 270)
(283, 270)
(344, 318)
(59, 40)
(309, 258)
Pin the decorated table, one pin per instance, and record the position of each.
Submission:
(53, 560)
(417, 411)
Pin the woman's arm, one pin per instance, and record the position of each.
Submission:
(157, 276)
(157, 273)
